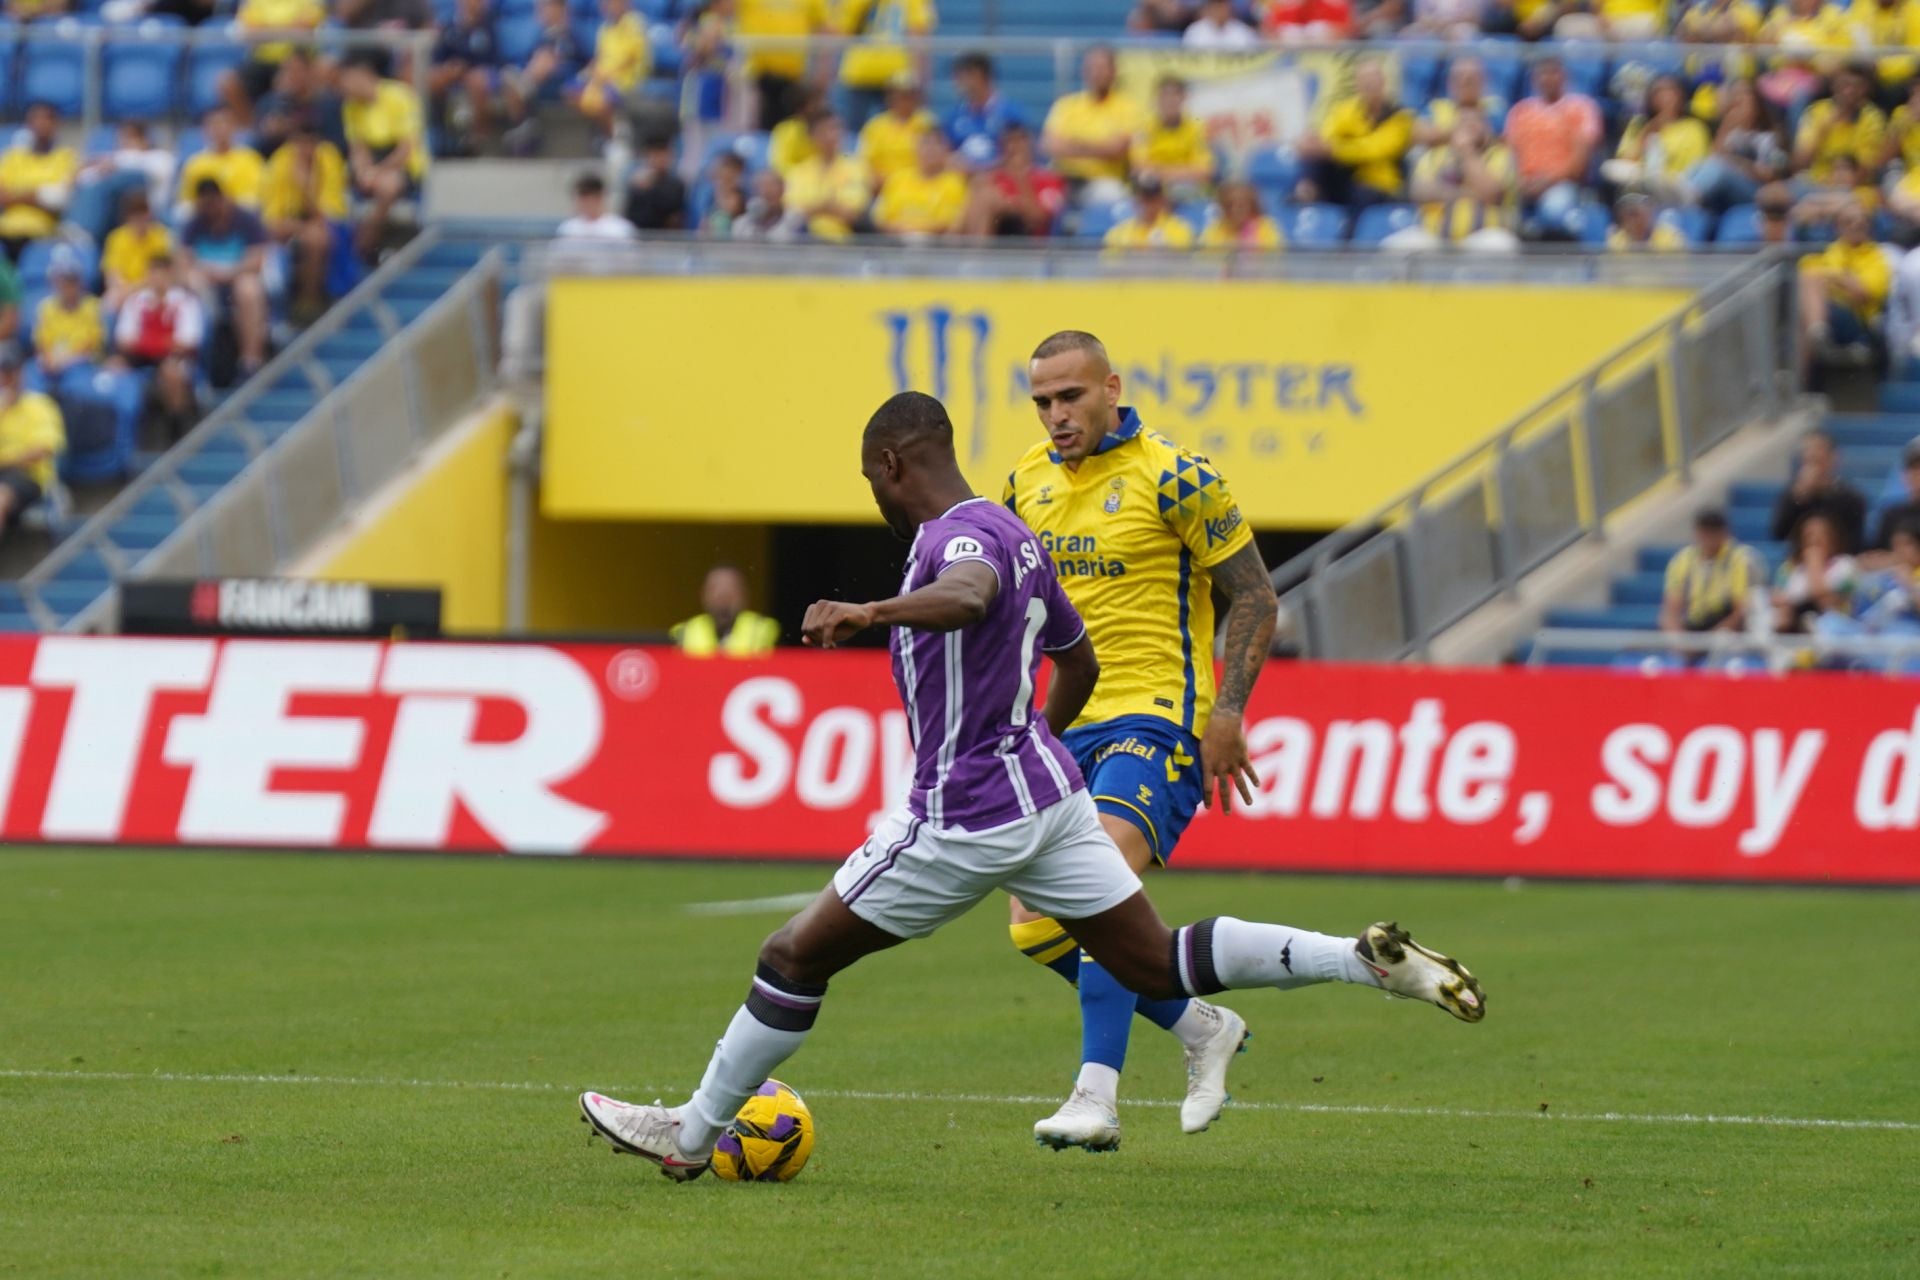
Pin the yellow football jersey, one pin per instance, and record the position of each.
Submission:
(1133, 532)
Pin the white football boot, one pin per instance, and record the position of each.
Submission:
(1207, 1067)
(1084, 1120)
(1405, 968)
(648, 1132)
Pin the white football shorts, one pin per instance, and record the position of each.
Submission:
(909, 878)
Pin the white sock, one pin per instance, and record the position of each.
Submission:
(1102, 1081)
(1197, 1025)
(1245, 954)
(767, 1030)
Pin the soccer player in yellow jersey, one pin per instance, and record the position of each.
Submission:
(1141, 532)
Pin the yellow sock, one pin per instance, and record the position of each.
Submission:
(1044, 942)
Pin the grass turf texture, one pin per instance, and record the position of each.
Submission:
(1654, 1001)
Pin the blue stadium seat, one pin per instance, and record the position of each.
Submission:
(1592, 221)
(55, 73)
(139, 77)
(1275, 171)
(518, 34)
(1420, 80)
(1097, 219)
(101, 140)
(37, 254)
(1739, 225)
(664, 44)
(586, 31)
(1586, 69)
(1693, 223)
(1382, 220)
(1311, 226)
(750, 147)
(1506, 69)
(206, 64)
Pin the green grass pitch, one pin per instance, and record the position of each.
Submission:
(254, 1065)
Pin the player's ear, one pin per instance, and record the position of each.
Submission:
(1113, 390)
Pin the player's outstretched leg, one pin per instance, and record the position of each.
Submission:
(781, 1005)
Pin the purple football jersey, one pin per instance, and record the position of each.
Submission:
(983, 754)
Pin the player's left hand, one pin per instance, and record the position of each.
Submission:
(1224, 762)
(828, 622)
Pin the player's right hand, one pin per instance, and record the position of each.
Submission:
(828, 622)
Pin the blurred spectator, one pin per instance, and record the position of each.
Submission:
(36, 10)
(11, 296)
(235, 168)
(466, 74)
(1553, 134)
(1240, 223)
(728, 204)
(1888, 600)
(1774, 203)
(1357, 157)
(591, 219)
(779, 73)
(1905, 513)
(792, 139)
(1637, 229)
(1632, 19)
(889, 142)
(135, 155)
(767, 215)
(926, 201)
(1846, 124)
(870, 68)
(1152, 224)
(1446, 19)
(982, 115)
(706, 52)
(1160, 17)
(1019, 196)
(304, 206)
(1821, 203)
(131, 248)
(1709, 583)
(556, 58)
(829, 190)
(656, 195)
(621, 61)
(1748, 152)
(386, 145)
(1888, 24)
(1717, 22)
(1817, 577)
(385, 15)
(1174, 147)
(300, 91)
(1466, 91)
(1089, 133)
(161, 327)
(1902, 316)
(1902, 142)
(1661, 146)
(1216, 29)
(223, 252)
(67, 329)
(32, 437)
(1819, 490)
(1466, 189)
(36, 181)
(1842, 290)
(1803, 26)
(724, 625)
(1291, 21)
(253, 79)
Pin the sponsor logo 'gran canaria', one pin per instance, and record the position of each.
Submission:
(1078, 555)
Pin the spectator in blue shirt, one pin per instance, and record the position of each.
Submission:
(466, 69)
(224, 251)
(974, 127)
(299, 93)
(556, 58)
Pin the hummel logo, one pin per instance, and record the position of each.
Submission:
(1286, 957)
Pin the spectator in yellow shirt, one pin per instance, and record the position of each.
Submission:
(1468, 190)
(1902, 141)
(890, 142)
(1240, 223)
(1466, 91)
(779, 74)
(1805, 26)
(1888, 24)
(1709, 584)
(869, 67)
(725, 626)
(621, 60)
(1659, 148)
(1843, 289)
(1636, 229)
(1845, 124)
(1174, 146)
(1089, 134)
(253, 79)
(303, 199)
(1356, 157)
(235, 167)
(66, 326)
(1152, 224)
(131, 248)
(829, 190)
(32, 438)
(792, 139)
(1633, 19)
(386, 144)
(926, 201)
(36, 181)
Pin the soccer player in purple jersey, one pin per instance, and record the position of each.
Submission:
(996, 803)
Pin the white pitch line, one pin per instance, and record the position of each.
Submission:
(752, 906)
(982, 1099)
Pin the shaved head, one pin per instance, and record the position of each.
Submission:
(1075, 340)
(906, 454)
(908, 422)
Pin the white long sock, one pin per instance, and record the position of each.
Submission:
(1101, 1081)
(1240, 953)
(767, 1030)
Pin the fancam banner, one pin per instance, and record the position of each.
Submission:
(597, 749)
(743, 398)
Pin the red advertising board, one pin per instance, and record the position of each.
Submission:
(569, 749)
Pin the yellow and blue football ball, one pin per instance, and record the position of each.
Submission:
(769, 1141)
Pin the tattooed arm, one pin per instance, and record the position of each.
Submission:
(1251, 606)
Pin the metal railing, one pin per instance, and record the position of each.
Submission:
(295, 486)
(1734, 650)
(1384, 586)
